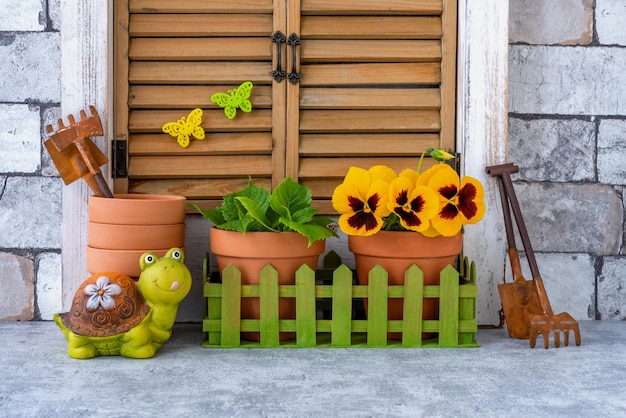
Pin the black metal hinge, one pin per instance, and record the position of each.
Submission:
(119, 165)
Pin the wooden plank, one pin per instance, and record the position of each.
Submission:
(202, 49)
(370, 98)
(328, 7)
(205, 188)
(369, 74)
(377, 307)
(236, 143)
(231, 306)
(279, 98)
(213, 311)
(212, 120)
(337, 168)
(200, 6)
(120, 82)
(199, 166)
(166, 25)
(305, 307)
(449, 307)
(189, 97)
(341, 307)
(268, 300)
(370, 27)
(192, 72)
(334, 50)
(412, 307)
(342, 145)
(369, 121)
(467, 305)
(449, 76)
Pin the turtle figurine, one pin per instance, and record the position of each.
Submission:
(112, 315)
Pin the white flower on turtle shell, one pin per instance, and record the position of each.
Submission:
(101, 293)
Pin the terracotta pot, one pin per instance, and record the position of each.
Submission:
(120, 261)
(135, 237)
(396, 251)
(137, 209)
(123, 228)
(250, 252)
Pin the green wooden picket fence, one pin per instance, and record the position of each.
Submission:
(456, 326)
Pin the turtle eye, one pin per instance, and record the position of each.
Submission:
(177, 255)
(149, 259)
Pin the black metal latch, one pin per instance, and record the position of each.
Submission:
(119, 163)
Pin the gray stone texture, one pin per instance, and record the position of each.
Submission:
(570, 282)
(30, 64)
(567, 80)
(16, 287)
(54, 14)
(610, 18)
(48, 289)
(612, 151)
(612, 289)
(572, 218)
(20, 138)
(22, 15)
(551, 22)
(30, 213)
(552, 149)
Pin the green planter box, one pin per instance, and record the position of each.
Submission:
(456, 326)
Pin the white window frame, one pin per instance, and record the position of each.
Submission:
(86, 79)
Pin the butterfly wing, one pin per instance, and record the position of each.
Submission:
(242, 95)
(194, 124)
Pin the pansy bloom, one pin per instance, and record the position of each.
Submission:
(362, 200)
(101, 293)
(460, 202)
(413, 204)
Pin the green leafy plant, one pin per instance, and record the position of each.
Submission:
(254, 209)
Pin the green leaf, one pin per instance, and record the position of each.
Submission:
(214, 215)
(312, 231)
(255, 211)
(290, 197)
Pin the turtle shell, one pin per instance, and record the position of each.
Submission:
(106, 304)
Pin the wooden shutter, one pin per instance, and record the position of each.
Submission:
(377, 87)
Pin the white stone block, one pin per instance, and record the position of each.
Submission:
(49, 289)
(30, 64)
(572, 218)
(610, 18)
(30, 213)
(551, 22)
(612, 151)
(16, 288)
(20, 138)
(22, 15)
(612, 289)
(567, 80)
(569, 280)
(553, 149)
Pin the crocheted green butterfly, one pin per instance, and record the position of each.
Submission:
(236, 98)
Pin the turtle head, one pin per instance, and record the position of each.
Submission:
(165, 280)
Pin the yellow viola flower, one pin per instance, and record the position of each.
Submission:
(460, 203)
(362, 200)
(414, 205)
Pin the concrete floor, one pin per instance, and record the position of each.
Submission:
(502, 378)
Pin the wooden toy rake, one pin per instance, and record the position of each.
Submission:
(526, 306)
(75, 155)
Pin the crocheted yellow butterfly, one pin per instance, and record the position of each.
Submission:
(236, 98)
(181, 130)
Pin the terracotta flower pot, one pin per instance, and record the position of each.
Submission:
(120, 261)
(396, 251)
(250, 252)
(124, 227)
(137, 209)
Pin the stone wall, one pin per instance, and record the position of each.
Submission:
(567, 132)
(30, 189)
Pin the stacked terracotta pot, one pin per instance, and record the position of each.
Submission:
(121, 229)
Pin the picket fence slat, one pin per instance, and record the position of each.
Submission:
(455, 327)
